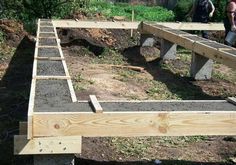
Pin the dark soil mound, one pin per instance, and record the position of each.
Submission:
(14, 31)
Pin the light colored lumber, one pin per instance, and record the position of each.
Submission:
(47, 145)
(51, 77)
(232, 100)
(95, 24)
(135, 68)
(50, 58)
(198, 47)
(129, 124)
(72, 91)
(96, 106)
(23, 128)
(191, 25)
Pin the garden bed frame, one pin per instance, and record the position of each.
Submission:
(58, 129)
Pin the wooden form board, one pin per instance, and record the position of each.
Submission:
(191, 25)
(129, 124)
(47, 145)
(136, 123)
(35, 76)
(200, 47)
(95, 24)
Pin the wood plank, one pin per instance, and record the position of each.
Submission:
(217, 54)
(51, 77)
(96, 106)
(232, 100)
(72, 91)
(191, 25)
(129, 124)
(95, 24)
(50, 58)
(47, 145)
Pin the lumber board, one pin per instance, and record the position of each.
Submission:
(47, 145)
(232, 100)
(51, 77)
(50, 58)
(191, 25)
(96, 106)
(130, 124)
(72, 91)
(95, 24)
(203, 48)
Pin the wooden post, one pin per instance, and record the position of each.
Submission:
(131, 35)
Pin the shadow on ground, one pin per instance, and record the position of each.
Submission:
(183, 87)
(14, 95)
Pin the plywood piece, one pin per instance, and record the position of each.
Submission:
(96, 106)
(130, 124)
(47, 145)
(95, 24)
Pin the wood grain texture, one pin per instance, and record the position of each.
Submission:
(135, 124)
(217, 54)
(95, 24)
(96, 106)
(47, 145)
(191, 25)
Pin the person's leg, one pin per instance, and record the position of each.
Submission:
(205, 34)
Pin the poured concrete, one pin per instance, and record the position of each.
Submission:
(51, 93)
(142, 106)
(201, 67)
(168, 50)
(47, 42)
(48, 52)
(46, 29)
(50, 68)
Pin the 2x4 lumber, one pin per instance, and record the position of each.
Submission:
(130, 124)
(95, 104)
(95, 24)
(50, 58)
(51, 77)
(198, 47)
(191, 26)
(47, 145)
(232, 100)
(32, 89)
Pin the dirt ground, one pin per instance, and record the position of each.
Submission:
(93, 63)
(93, 74)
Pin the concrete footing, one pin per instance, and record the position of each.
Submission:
(201, 67)
(147, 40)
(168, 50)
(54, 160)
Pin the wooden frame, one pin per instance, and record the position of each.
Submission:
(51, 129)
(200, 47)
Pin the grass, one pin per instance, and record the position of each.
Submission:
(142, 148)
(80, 83)
(142, 13)
(110, 56)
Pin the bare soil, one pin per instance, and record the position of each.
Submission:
(157, 82)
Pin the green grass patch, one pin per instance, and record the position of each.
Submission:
(142, 13)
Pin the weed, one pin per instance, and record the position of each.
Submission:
(80, 83)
